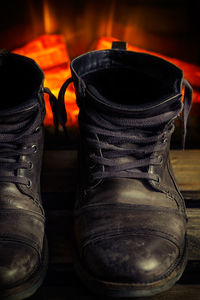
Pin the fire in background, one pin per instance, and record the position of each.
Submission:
(50, 52)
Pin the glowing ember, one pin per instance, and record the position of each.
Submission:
(50, 24)
(50, 52)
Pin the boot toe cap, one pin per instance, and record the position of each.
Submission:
(17, 263)
(133, 259)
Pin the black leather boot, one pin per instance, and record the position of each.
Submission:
(23, 246)
(129, 219)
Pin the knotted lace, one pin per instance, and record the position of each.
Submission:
(126, 146)
(16, 139)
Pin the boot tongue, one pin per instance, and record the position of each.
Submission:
(14, 119)
(149, 109)
(141, 121)
(19, 111)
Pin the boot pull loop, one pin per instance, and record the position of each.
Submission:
(61, 111)
(119, 45)
(187, 101)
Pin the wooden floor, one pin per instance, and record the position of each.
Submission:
(58, 191)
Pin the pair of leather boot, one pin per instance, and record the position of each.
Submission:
(129, 216)
(23, 245)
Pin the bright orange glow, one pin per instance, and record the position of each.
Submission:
(50, 52)
(50, 25)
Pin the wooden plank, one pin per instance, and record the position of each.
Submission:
(59, 231)
(78, 292)
(58, 191)
(60, 169)
(192, 198)
(186, 165)
(193, 230)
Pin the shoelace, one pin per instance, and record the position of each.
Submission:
(108, 136)
(16, 140)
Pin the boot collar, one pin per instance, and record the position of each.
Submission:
(142, 110)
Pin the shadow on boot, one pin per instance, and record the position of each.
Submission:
(23, 246)
(129, 217)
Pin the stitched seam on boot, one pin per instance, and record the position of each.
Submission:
(118, 233)
(23, 212)
(31, 195)
(127, 206)
(21, 240)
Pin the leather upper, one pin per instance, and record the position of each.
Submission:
(22, 217)
(127, 229)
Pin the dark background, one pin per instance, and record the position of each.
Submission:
(170, 27)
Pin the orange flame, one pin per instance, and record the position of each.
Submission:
(50, 25)
(50, 52)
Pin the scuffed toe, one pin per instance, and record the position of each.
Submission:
(17, 263)
(131, 259)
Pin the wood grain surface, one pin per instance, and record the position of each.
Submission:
(58, 192)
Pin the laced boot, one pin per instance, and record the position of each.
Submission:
(23, 246)
(129, 218)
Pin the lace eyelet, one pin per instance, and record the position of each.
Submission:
(165, 141)
(35, 149)
(30, 165)
(158, 179)
(160, 159)
(29, 184)
(37, 129)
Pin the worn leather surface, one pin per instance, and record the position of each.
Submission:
(128, 230)
(21, 214)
